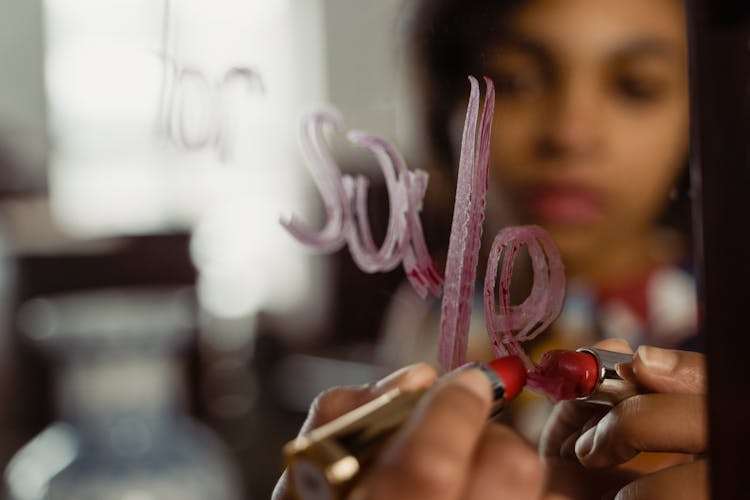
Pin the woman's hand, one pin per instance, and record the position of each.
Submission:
(446, 450)
(669, 418)
(335, 402)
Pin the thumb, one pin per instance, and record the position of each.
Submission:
(667, 370)
(335, 402)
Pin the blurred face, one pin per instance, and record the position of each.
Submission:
(591, 118)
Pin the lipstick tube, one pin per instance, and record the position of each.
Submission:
(323, 463)
(609, 388)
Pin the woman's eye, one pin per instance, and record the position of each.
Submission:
(638, 89)
(512, 83)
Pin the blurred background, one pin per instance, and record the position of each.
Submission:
(147, 151)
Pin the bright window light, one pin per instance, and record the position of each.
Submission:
(176, 115)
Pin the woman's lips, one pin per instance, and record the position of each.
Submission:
(565, 204)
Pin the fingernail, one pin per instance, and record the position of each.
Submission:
(585, 443)
(409, 378)
(663, 360)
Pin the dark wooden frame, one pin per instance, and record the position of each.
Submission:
(719, 35)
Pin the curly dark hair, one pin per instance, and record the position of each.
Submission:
(447, 41)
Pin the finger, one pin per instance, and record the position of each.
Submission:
(568, 420)
(335, 402)
(505, 467)
(650, 422)
(681, 481)
(430, 455)
(667, 370)
(615, 345)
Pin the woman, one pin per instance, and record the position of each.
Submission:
(589, 141)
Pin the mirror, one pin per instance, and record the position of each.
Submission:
(256, 146)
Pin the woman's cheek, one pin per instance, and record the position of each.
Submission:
(512, 147)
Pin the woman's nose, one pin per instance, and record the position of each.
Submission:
(574, 125)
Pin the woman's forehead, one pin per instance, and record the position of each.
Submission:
(599, 27)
